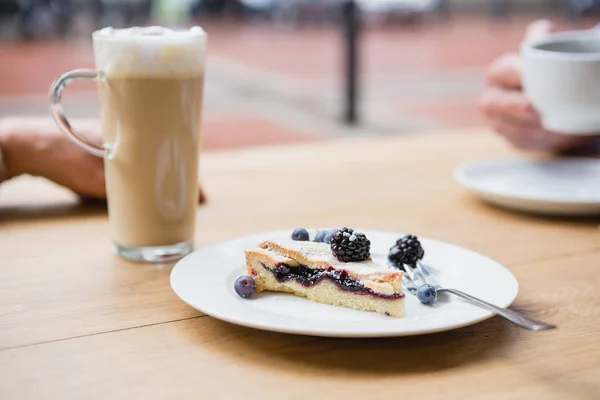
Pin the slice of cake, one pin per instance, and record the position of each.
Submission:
(311, 270)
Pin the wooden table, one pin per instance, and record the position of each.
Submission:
(78, 322)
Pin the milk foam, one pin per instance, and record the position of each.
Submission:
(150, 51)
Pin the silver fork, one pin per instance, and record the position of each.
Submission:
(411, 284)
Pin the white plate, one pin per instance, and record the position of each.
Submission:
(568, 186)
(204, 280)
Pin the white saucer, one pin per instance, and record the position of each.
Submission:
(566, 186)
(204, 280)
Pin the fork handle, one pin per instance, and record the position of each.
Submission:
(513, 316)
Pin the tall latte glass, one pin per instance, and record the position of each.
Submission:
(150, 83)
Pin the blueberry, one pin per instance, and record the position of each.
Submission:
(328, 235)
(245, 286)
(300, 234)
(426, 294)
(320, 236)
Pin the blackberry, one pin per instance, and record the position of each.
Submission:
(348, 245)
(407, 250)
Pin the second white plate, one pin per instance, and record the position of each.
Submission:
(566, 186)
(204, 280)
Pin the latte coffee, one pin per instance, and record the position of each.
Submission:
(153, 124)
(150, 83)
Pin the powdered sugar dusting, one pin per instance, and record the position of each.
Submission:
(275, 256)
(316, 251)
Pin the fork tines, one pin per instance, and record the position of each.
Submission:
(413, 277)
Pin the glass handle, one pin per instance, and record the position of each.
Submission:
(59, 115)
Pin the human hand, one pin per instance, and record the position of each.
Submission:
(35, 146)
(509, 112)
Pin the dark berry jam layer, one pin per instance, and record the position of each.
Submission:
(310, 277)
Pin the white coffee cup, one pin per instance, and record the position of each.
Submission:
(561, 78)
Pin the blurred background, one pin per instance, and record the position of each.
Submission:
(284, 71)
